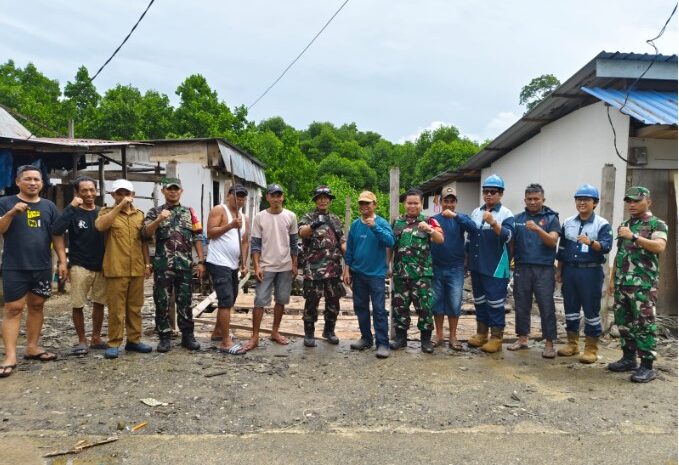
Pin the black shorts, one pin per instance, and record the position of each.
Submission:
(17, 283)
(225, 282)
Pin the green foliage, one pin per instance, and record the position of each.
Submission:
(537, 89)
(345, 158)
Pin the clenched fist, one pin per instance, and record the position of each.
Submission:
(76, 202)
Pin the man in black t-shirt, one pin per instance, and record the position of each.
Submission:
(26, 225)
(85, 253)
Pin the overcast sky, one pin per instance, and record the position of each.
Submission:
(392, 66)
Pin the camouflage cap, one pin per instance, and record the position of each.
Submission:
(637, 193)
(169, 182)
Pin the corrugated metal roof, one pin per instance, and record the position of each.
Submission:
(647, 106)
(243, 166)
(11, 128)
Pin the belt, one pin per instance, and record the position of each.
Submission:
(584, 265)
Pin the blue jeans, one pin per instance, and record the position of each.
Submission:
(448, 284)
(366, 289)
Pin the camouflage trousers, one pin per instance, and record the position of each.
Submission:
(634, 310)
(332, 289)
(420, 293)
(164, 282)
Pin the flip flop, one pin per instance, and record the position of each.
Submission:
(549, 353)
(4, 373)
(517, 346)
(100, 346)
(80, 349)
(457, 345)
(235, 349)
(41, 357)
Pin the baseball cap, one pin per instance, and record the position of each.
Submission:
(169, 182)
(637, 193)
(122, 184)
(367, 196)
(274, 189)
(449, 190)
(237, 189)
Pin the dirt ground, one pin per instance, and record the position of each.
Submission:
(329, 404)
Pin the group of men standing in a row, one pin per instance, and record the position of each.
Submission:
(424, 256)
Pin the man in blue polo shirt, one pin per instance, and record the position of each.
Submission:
(448, 261)
(489, 263)
(365, 271)
(536, 235)
(586, 238)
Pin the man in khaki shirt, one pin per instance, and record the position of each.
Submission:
(126, 264)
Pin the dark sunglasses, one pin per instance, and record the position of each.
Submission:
(490, 192)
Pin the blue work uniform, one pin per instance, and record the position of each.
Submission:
(582, 274)
(489, 264)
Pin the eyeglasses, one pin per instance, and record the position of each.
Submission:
(490, 192)
(583, 199)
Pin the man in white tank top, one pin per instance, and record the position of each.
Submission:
(225, 257)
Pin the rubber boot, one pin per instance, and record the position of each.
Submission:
(591, 349)
(571, 347)
(400, 341)
(481, 336)
(189, 341)
(645, 373)
(494, 344)
(329, 333)
(425, 342)
(309, 339)
(164, 344)
(628, 362)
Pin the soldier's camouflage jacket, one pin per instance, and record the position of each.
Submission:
(634, 265)
(174, 237)
(321, 254)
(412, 254)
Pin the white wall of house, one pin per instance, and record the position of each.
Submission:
(567, 153)
(467, 198)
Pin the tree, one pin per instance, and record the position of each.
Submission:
(537, 89)
(201, 114)
(81, 102)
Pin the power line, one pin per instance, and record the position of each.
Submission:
(650, 42)
(123, 42)
(298, 56)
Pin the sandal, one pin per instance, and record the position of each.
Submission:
(235, 349)
(517, 346)
(456, 345)
(41, 357)
(3, 370)
(99, 346)
(549, 353)
(80, 349)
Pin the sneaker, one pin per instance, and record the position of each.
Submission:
(111, 352)
(643, 375)
(624, 364)
(138, 347)
(361, 344)
(382, 352)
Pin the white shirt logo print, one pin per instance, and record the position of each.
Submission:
(82, 224)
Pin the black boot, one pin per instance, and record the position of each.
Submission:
(425, 342)
(309, 339)
(401, 339)
(329, 332)
(644, 373)
(164, 344)
(628, 362)
(189, 341)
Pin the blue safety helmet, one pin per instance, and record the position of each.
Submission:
(494, 181)
(587, 190)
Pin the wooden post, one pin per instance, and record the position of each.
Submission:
(606, 208)
(123, 161)
(71, 129)
(347, 215)
(102, 183)
(394, 188)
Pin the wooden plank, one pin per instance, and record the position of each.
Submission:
(606, 208)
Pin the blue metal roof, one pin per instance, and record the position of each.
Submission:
(647, 106)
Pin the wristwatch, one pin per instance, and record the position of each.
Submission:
(635, 236)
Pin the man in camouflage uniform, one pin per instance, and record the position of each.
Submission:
(323, 245)
(411, 270)
(641, 239)
(176, 230)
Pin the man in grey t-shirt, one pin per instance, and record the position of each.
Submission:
(274, 256)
